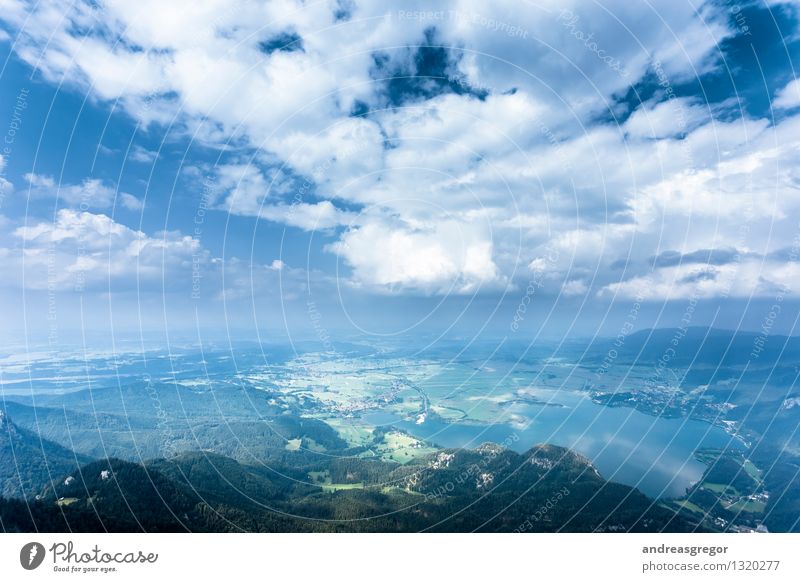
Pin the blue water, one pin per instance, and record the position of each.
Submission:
(655, 455)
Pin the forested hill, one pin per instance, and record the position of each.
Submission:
(454, 490)
(28, 461)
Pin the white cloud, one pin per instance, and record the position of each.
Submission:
(574, 287)
(245, 186)
(85, 250)
(92, 253)
(747, 278)
(130, 201)
(6, 187)
(91, 193)
(789, 96)
(448, 257)
(453, 193)
(40, 181)
(247, 191)
(318, 216)
(667, 119)
(143, 155)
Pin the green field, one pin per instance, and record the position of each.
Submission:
(752, 470)
(720, 488)
(402, 448)
(748, 505)
(343, 391)
(690, 506)
(323, 480)
(293, 444)
(341, 487)
(356, 435)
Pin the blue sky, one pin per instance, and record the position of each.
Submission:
(223, 166)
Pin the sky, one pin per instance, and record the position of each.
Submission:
(345, 168)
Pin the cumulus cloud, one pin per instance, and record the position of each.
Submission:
(574, 287)
(143, 155)
(789, 96)
(89, 252)
(318, 216)
(440, 153)
(667, 119)
(744, 279)
(6, 187)
(40, 181)
(82, 250)
(92, 193)
(447, 257)
(130, 201)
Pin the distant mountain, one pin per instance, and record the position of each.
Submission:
(29, 462)
(700, 346)
(488, 489)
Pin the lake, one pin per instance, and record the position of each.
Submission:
(655, 455)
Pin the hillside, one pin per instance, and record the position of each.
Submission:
(488, 489)
(28, 462)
